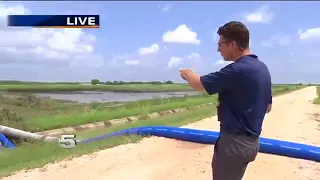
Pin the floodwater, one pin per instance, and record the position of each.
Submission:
(97, 96)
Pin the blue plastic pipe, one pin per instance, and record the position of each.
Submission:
(269, 146)
(6, 142)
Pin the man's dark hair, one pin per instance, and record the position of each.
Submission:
(235, 31)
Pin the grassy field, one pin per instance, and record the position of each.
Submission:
(80, 87)
(51, 115)
(317, 100)
(45, 114)
(31, 155)
(55, 87)
(282, 89)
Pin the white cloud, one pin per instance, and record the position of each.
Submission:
(194, 56)
(215, 36)
(181, 35)
(154, 48)
(194, 61)
(132, 59)
(278, 38)
(167, 7)
(13, 10)
(223, 62)
(118, 61)
(260, 15)
(220, 61)
(309, 33)
(132, 62)
(173, 62)
(66, 45)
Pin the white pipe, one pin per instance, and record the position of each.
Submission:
(8, 131)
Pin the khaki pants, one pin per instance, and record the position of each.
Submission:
(232, 154)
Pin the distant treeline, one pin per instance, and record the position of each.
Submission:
(97, 81)
(33, 82)
(300, 84)
(93, 81)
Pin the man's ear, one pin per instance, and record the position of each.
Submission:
(234, 44)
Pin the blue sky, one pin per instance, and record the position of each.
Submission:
(143, 41)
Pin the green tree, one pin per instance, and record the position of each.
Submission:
(95, 81)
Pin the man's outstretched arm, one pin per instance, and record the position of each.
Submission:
(194, 81)
(211, 83)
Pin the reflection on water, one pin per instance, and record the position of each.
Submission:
(97, 96)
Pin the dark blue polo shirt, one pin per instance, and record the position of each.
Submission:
(244, 90)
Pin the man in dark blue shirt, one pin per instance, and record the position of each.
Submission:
(244, 95)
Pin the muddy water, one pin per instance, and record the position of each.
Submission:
(96, 96)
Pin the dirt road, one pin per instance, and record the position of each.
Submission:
(158, 158)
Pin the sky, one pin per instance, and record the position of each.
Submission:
(148, 41)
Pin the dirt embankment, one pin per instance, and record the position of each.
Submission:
(159, 158)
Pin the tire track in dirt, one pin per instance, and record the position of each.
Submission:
(158, 158)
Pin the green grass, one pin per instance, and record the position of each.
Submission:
(101, 112)
(77, 87)
(38, 154)
(54, 87)
(282, 89)
(58, 121)
(26, 107)
(317, 100)
(35, 107)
